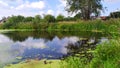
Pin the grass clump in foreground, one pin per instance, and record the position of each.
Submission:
(106, 55)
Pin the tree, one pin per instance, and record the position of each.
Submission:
(115, 14)
(60, 18)
(85, 7)
(13, 21)
(37, 19)
(28, 19)
(78, 16)
(49, 18)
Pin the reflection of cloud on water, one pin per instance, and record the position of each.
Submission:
(56, 44)
(4, 39)
(7, 53)
(5, 49)
(32, 43)
(60, 44)
(9, 50)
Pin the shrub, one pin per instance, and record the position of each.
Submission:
(107, 55)
(60, 18)
(49, 19)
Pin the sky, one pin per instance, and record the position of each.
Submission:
(41, 7)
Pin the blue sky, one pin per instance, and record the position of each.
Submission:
(41, 7)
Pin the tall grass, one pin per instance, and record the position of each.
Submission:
(106, 55)
(112, 25)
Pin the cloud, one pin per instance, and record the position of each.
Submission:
(20, 7)
(30, 43)
(112, 1)
(4, 39)
(3, 3)
(33, 5)
(50, 12)
(63, 2)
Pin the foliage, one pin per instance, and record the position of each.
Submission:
(60, 18)
(73, 62)
(12, 21)
(78, 16)
(115, 14)
(109, 26)
(49, 18)
(107, 55)
(86, 7)
(37, 19)
(28, 19)
(69, 19)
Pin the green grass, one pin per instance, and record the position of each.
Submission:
(36, 64)
(106, 55)
(111, 26)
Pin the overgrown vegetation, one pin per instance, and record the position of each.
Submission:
(52, 24)
(106, 55)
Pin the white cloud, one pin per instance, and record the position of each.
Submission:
(112, 1)
(30, 43)
(50, 12)
(61, 8)
(39, 5)
(3, 3)
(4, 39)
(33, 5)
(63, 2)
(20, 7)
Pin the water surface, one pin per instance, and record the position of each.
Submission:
(18, 46)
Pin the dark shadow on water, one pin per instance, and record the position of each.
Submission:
(22, 36)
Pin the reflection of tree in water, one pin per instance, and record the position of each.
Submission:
(23, 35)
(82, 48)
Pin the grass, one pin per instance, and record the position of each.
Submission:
(106, 55)
(36, 64)
(73, 62)
(112, 25)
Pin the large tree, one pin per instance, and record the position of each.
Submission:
(85, 7)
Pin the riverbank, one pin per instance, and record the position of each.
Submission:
(111, 26)
(36, 64)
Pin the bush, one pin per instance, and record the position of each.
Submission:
(107, 55)
(49, 19)
(28, 19)
(37, 19)
(115, 14)
(73, 62)
(60, 18)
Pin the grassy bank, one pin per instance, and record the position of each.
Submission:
(36, 64)
(106, 55)
(95, 26)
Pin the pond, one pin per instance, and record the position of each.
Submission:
(19, 46)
